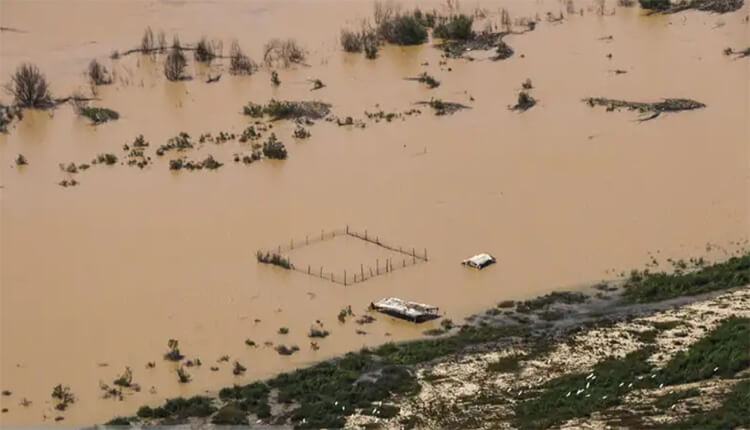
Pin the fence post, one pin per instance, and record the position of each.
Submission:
(425, 254)
(308, 269)
(362, 271)
(377, 267)
(344, 277)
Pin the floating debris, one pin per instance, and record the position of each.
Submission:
(443, 108)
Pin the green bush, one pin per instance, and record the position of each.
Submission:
(98, 115)
(230, 415)
(404, 30)
(456, 27)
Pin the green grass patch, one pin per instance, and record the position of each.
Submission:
(668, 400)
(666, 325)
(508, 364)
(644, 286)
(567, 397)
(733, 413)
(722, 352)
(252, 398)
(180, 409)
(456, 27)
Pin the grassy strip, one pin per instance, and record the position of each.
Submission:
(568, 397)
(723, 352)
(734, 412)
(645, 286)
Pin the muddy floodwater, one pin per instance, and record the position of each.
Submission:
(97, 277)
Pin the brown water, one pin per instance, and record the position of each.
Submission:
(562, 194)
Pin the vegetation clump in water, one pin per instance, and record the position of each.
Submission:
(63, 396)
(301, 132)
(456, 27)
(98, 115)
(443, 108)
(21, 160)
(525, 102)
(427, 79)
(274, 259)
(205, 51)
(274, 149)
(181, 142)
(174, 351)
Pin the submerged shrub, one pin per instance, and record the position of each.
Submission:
(205, 50)
(147, 41)
(351, 41)
(98, 74)
(404, 30)
(175, 64)
(98, 115)
(254, 110)
(275, 81)
(239, 63)
(29, 87)
(174, 351)
(273, 258)
(283, 53)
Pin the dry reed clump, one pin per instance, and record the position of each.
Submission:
(239, 63)
(366, 39)
(29, 87)
(98, 74)
(175, 64)
(283, 53)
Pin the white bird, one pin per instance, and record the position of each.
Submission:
(336, 403)
(661, 385)
(588, 395)
(593, 377)
(568, 395)
(716, 368)
(587, 385)
(579, 392)
(653, 376)
(590, 375)
(621, 384)
(640, 377)
(604, 397)
(343, 408)
(630, 385)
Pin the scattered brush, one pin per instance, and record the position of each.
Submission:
(317, 84)
(283, 330)
(351, 41)
(181, 142)
(64, 397)
(239, 63)
(273, 258)
(7, 114)
(716, 6)
(98, 74)
(275, 81)
(344, 313)
(29, 88)
(527, 85)
(283, 53)
(397, 28)
(21, 160)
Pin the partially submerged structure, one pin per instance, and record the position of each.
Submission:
(411, 311)
(479, 261)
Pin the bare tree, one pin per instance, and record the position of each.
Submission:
(239, 63)
(98, 74)
(29, 87)
(147, 41)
